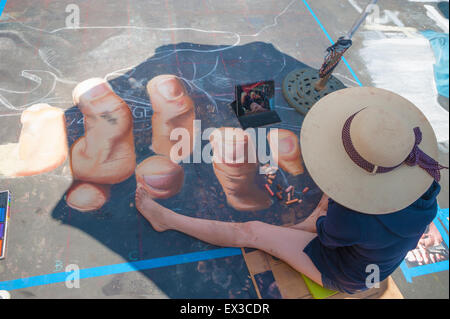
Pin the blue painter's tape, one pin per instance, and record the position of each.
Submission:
(352, 72)
(318, 21)
(331, 41)
(441, 231)
(406, 272)
(410, 273)
(2, 6)
(443, 216)
(428, 269)
(120, 268)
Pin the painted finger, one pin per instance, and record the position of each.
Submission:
(161, 177)
(285, 150)
(42, 143)
(173, 109)
(86, 197)
(105, 154)
(418, 256)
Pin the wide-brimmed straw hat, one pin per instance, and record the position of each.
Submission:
(369, 149)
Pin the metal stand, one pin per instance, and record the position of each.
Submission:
(300, 88)
(304, 87)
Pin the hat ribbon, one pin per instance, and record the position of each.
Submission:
(415, 157)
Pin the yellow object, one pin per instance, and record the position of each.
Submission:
(317, 291)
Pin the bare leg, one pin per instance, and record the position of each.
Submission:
(284, 243)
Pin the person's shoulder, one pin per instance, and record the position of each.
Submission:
(343, 214)
(335, 206)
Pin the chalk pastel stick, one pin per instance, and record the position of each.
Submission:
(292, 201)
(269, 190)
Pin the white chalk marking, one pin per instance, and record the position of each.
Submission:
(427, 0)
(47, 59)
(405, 66)
(355, 5)
(440, 20)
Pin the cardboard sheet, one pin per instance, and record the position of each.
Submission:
(289, 284)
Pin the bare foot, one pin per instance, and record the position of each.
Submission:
(151, 210)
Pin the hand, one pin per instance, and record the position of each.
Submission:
(431, 238)
(309, 224)
(256, 108)
(421, 255)
(322, 207)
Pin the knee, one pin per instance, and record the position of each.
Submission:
(251, 227)
(247, 233)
